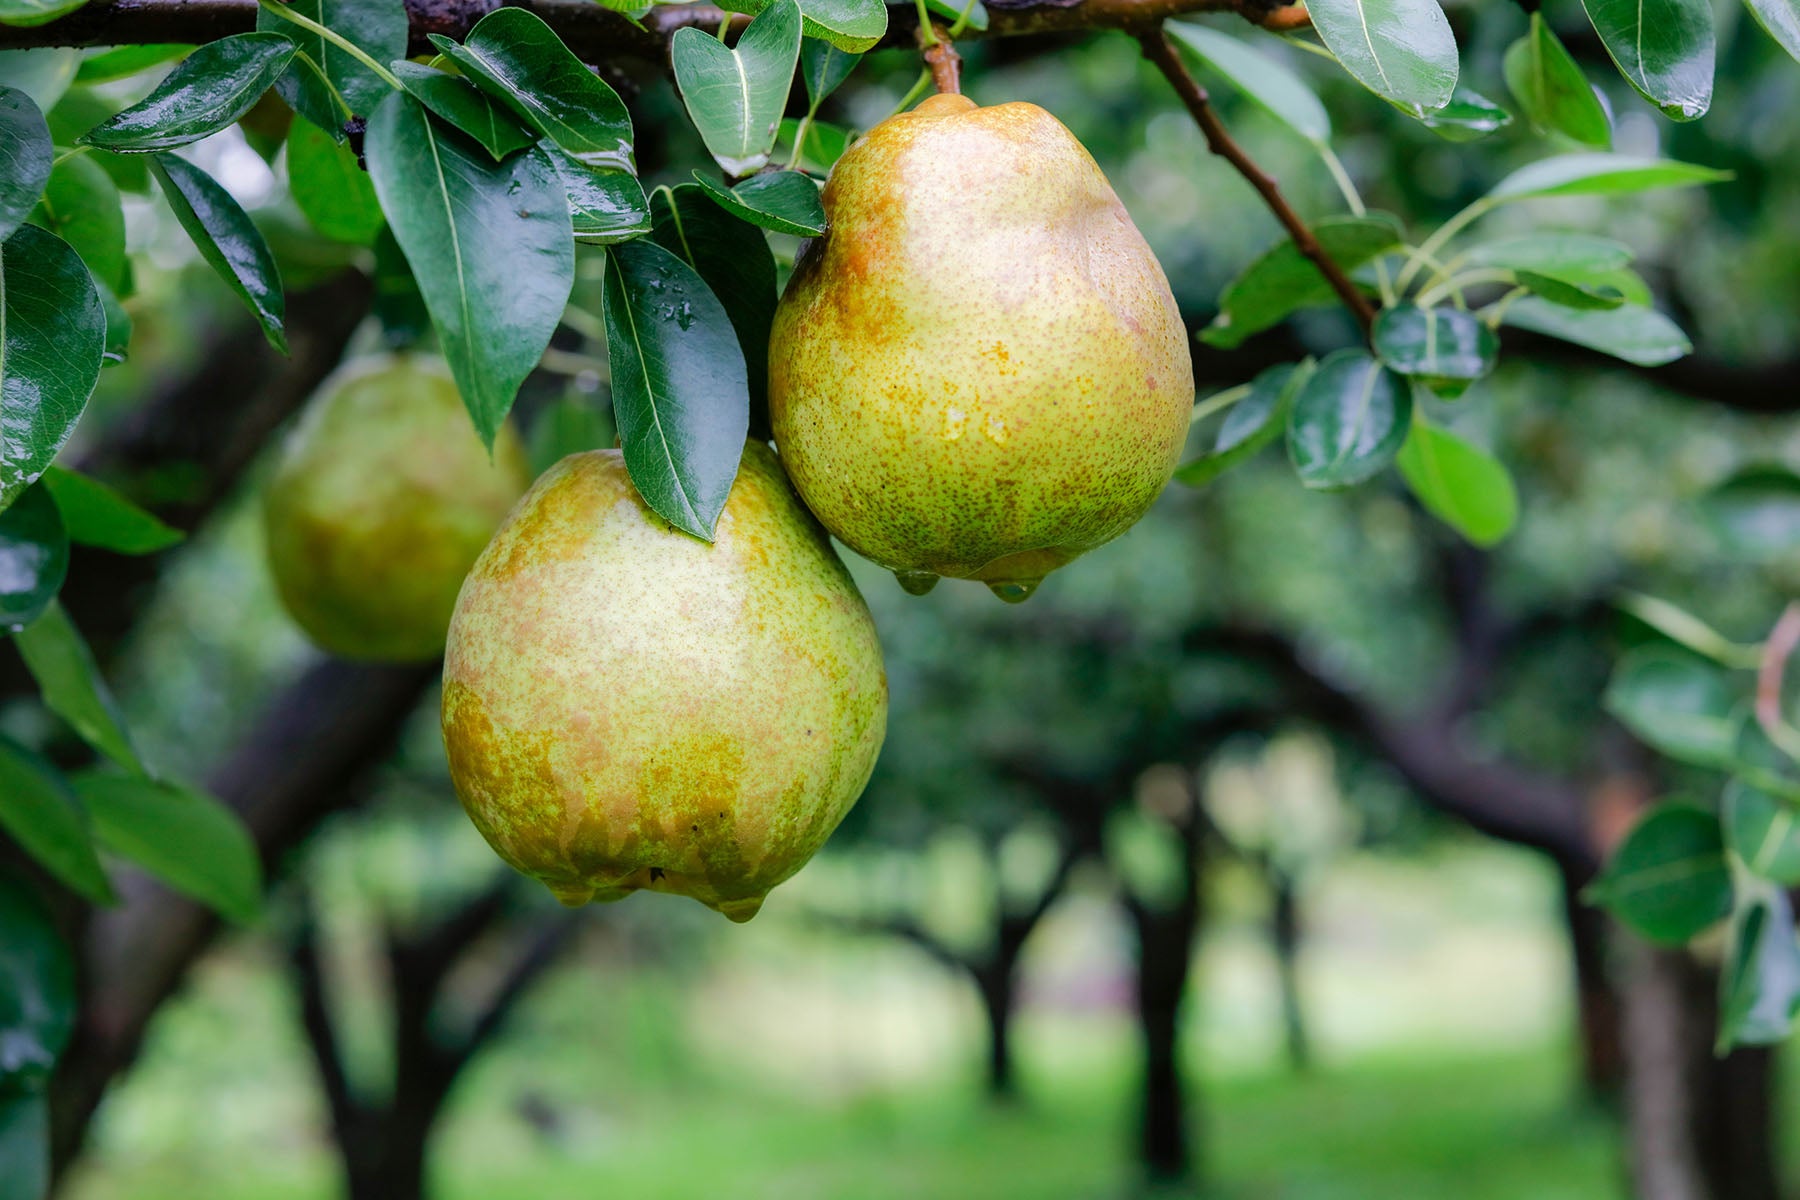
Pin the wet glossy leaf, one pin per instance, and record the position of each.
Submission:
(1464, 487)
(782, 201)
(1402, 50)
(1600, 174)
(1756, 512)
(37, 992)
(1467, 117)
(40, 812)
(1265, 80)
(25, 157)
(1664, 48)
(1252, 423)
(96, 515)
(1677, 703)
(1446, 349)
(1759, 985)
(376, 27)
(735, 96)
(1283, 280)
(1668, 880)
(81, 206)
(188, 840)
(227, 239)
(516, 58)
(1782, 20)
(467, 107)
(207, 90)
(605, 206)
(823, 66)
(680, 396)
(845, 25)
(1636, 335)
(329, 188)
(490, 244)
(52, 338)
(71, 685)
(34, 557)
(1349, 420)
(122, 62)
(1551, 90)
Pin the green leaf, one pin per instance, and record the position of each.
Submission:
(1756, 512)
(1676, 703)
(605, 206)
(735, 261)
(35, 12)
(25, 157)
(1668, 880)
(34, 557)
(25, 1142)
(852, 26)
(1446, 349)
(735, 96)
(467, 107)
(397, 305)
(376, 27)
(680, 396)
(823, 66)
(37, 994)
(1759, 985)
(1564, 254)
(80, 111)
(71, 685)
(81, 206)
(1636, 335)
(1781, 18)
(568, 426)
(1555, 96)
(52, 337)
(208, 90)
(1462, 486)
(1570, 293)
(825, 143)
(118, 326)
(305, 89)
(1467, 117)
(43, 74)
(1763, 831)
(1266, 81)
(1664, 48)
(1249, 425)
(1348, 422)
(1283, 280)
(96, 515)
(490, 244)
(188, 840)
(40, 812)
(1402, 50)
(227, 239)
(1598, 175)
(955, 10)
(122, 62)
(330, 189)
(516, 58)
(782, 201)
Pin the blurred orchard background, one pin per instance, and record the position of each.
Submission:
(1243, 861)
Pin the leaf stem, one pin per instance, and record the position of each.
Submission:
(1457, 284)
(1783, 640)
(1445, 232)
(1690, 631)
(334, 37)
(913, 93)
(1218, 402)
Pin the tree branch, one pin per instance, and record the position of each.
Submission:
(553, 936)
(941, 58)
(1158, 50)
(315, 1019)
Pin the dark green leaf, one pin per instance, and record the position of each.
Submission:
(1469, 116)
(34, 557)
(1756, 512)
(79, 111)
(207, 90)
(735, 97)
(1570, 293)
(1348, 422)
(37, 995)
(1555, 96)
(782, 201)
(35, 12)
(52, 338)
(1664, 48)
(1251, 424)
(516, 58)
(467, 107)
(490, 244)
(823, 66)
(1600, 175)
(1676, 703)
(1283, 280)
(1402, 50)
(605, 206)
(227, 239)
(25, 1143)
(1782, 20)
(1637, 335)
(190, 841)
(1668, 880)
(1759, 985)
(1278, 90)
(71, 685)
(851, 26)
(81, 206)
(40, 812)
(735, 261)
(1462, 486)
(1446, 349)
(305, 89)
(96, 515)
(397, 304)
(122, 62)
(376, 27)
(328, 186)
(679, 391)
(1763, 831)
(25, 157)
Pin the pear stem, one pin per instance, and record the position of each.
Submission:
(941, 58)
(1159, 51)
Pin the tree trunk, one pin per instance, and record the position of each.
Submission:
(1285, 935)
(1599, 1012)
(1164, 947)
(995, 986)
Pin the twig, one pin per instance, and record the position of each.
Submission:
(1783, 640)
(1158, 50)
(941, 58)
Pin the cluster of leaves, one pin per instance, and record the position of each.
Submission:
(1443, 298)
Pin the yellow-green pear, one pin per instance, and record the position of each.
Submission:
(978, 371)
(629, 707)
(381, 499)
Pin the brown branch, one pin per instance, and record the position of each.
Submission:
(941, 58)
(1158, 50)
(1783, 640)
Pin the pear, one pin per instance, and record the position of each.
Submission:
(379, 503)
(629, 707)
(979, 370)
